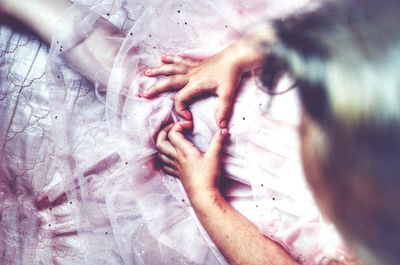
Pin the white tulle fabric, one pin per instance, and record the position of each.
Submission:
(101, 198)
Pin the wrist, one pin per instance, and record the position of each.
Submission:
(202, 197)
(249, 53)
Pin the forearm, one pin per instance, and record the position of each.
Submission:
(92, 54)
(237, 238)
(250, 52)
(39, 15)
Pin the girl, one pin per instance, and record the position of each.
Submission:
(349, 149)
(104, 201)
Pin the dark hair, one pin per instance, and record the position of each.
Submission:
(345, 58)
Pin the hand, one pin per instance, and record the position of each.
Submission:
(179, 157)
(218, 75)
(233, 234)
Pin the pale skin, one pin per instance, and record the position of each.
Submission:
(31, 13)
(42, 17)
(237, 238)
(210, 205)
(199, 172)
(219, 75)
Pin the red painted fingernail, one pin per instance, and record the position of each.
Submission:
(187, 123)
(222, 124)
(187, 115)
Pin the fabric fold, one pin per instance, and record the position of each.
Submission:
(99, 197)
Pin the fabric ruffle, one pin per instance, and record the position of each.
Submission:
(102, 199)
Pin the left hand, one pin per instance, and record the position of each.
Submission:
(198, 171)
(219, 75)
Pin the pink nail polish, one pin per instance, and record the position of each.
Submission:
(225, 132)
(188, 115)
(222, 124)
(187, 123)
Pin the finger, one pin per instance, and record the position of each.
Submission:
(166, 148)
(217, 143)
(223, 110)
(183, 97)
(170, 171)
(179, 142)
(168, 84)
(177, 59)
(169, 127)
(167, 70)
(166, 160)
(163, 144)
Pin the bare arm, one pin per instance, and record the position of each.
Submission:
(39, 15)
(92, 56)
(238, 239)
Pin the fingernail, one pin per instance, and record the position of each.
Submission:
(225, 132)
(148, 71)
(146, 93)
(187, 123)
(163, 56)
(188, 115)
(222, 124)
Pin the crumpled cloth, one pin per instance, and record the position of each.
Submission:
(78, 181)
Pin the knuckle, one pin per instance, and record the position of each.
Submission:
(196, 85)
(159, 145)
(181, 68)
(178, 100)
(172, 68)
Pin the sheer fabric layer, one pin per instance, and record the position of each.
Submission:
(101, 199)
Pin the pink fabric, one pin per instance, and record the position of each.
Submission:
(95, 196)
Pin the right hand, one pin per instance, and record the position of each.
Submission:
(198, 171)
(219, 75)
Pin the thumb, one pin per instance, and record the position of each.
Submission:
(223, 110)
(217, 143)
